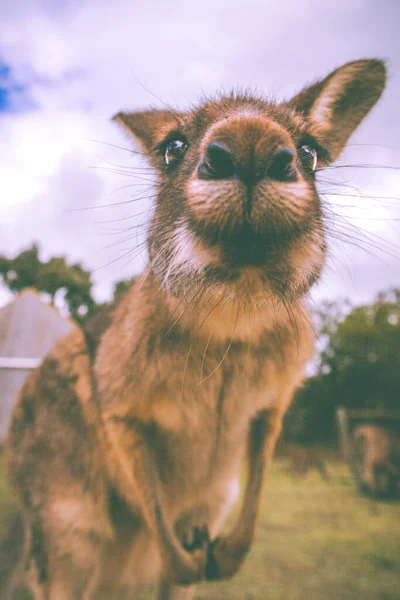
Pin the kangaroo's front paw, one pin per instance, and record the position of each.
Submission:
(196, 538)
(224, 558)
(189, 568)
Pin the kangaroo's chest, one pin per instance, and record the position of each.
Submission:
(197, 400)
(202, 429)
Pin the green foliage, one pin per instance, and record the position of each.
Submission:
(22, 271)
(122, 286)
(27, 270)
(359, 366)
(56, 276)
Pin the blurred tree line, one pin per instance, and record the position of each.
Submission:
(358, 365)
(55, 277)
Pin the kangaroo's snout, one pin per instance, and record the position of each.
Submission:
(248, 149)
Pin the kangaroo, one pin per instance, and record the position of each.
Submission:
(377, 456)
(125, 445)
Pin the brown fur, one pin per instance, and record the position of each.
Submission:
(377, 454)
(125, 446)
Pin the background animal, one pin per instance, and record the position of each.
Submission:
(377, 459)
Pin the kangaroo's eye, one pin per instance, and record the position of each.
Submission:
(311, 153)
(174, 151)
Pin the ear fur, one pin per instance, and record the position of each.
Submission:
(335, 106)
(148, 127)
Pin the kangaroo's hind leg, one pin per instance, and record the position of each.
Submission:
(56, 463)
(64, 550)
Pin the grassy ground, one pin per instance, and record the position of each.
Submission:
(316, 540)
(6, 499)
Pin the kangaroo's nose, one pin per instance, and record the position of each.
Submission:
(217, 163)
(281, 165)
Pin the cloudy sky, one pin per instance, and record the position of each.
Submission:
(67, 67)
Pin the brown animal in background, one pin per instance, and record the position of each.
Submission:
(126, 462)
(377, 459)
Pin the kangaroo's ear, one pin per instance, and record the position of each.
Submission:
(149, 127)
(336, 106)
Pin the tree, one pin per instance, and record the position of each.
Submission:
(363, 354)
(57, 276)
(27, 270)
(22, 271)
(359, 366)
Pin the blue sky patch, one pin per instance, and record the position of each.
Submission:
(14, 96)
(3, 99)
(5, 71)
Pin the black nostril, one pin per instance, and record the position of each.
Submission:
(282, 167)
(217, 163)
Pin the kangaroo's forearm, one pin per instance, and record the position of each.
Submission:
(263, 435)
(138, 481)
(138, 476)
(228, 552)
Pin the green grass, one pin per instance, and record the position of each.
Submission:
(316, 540)
(6, 497)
